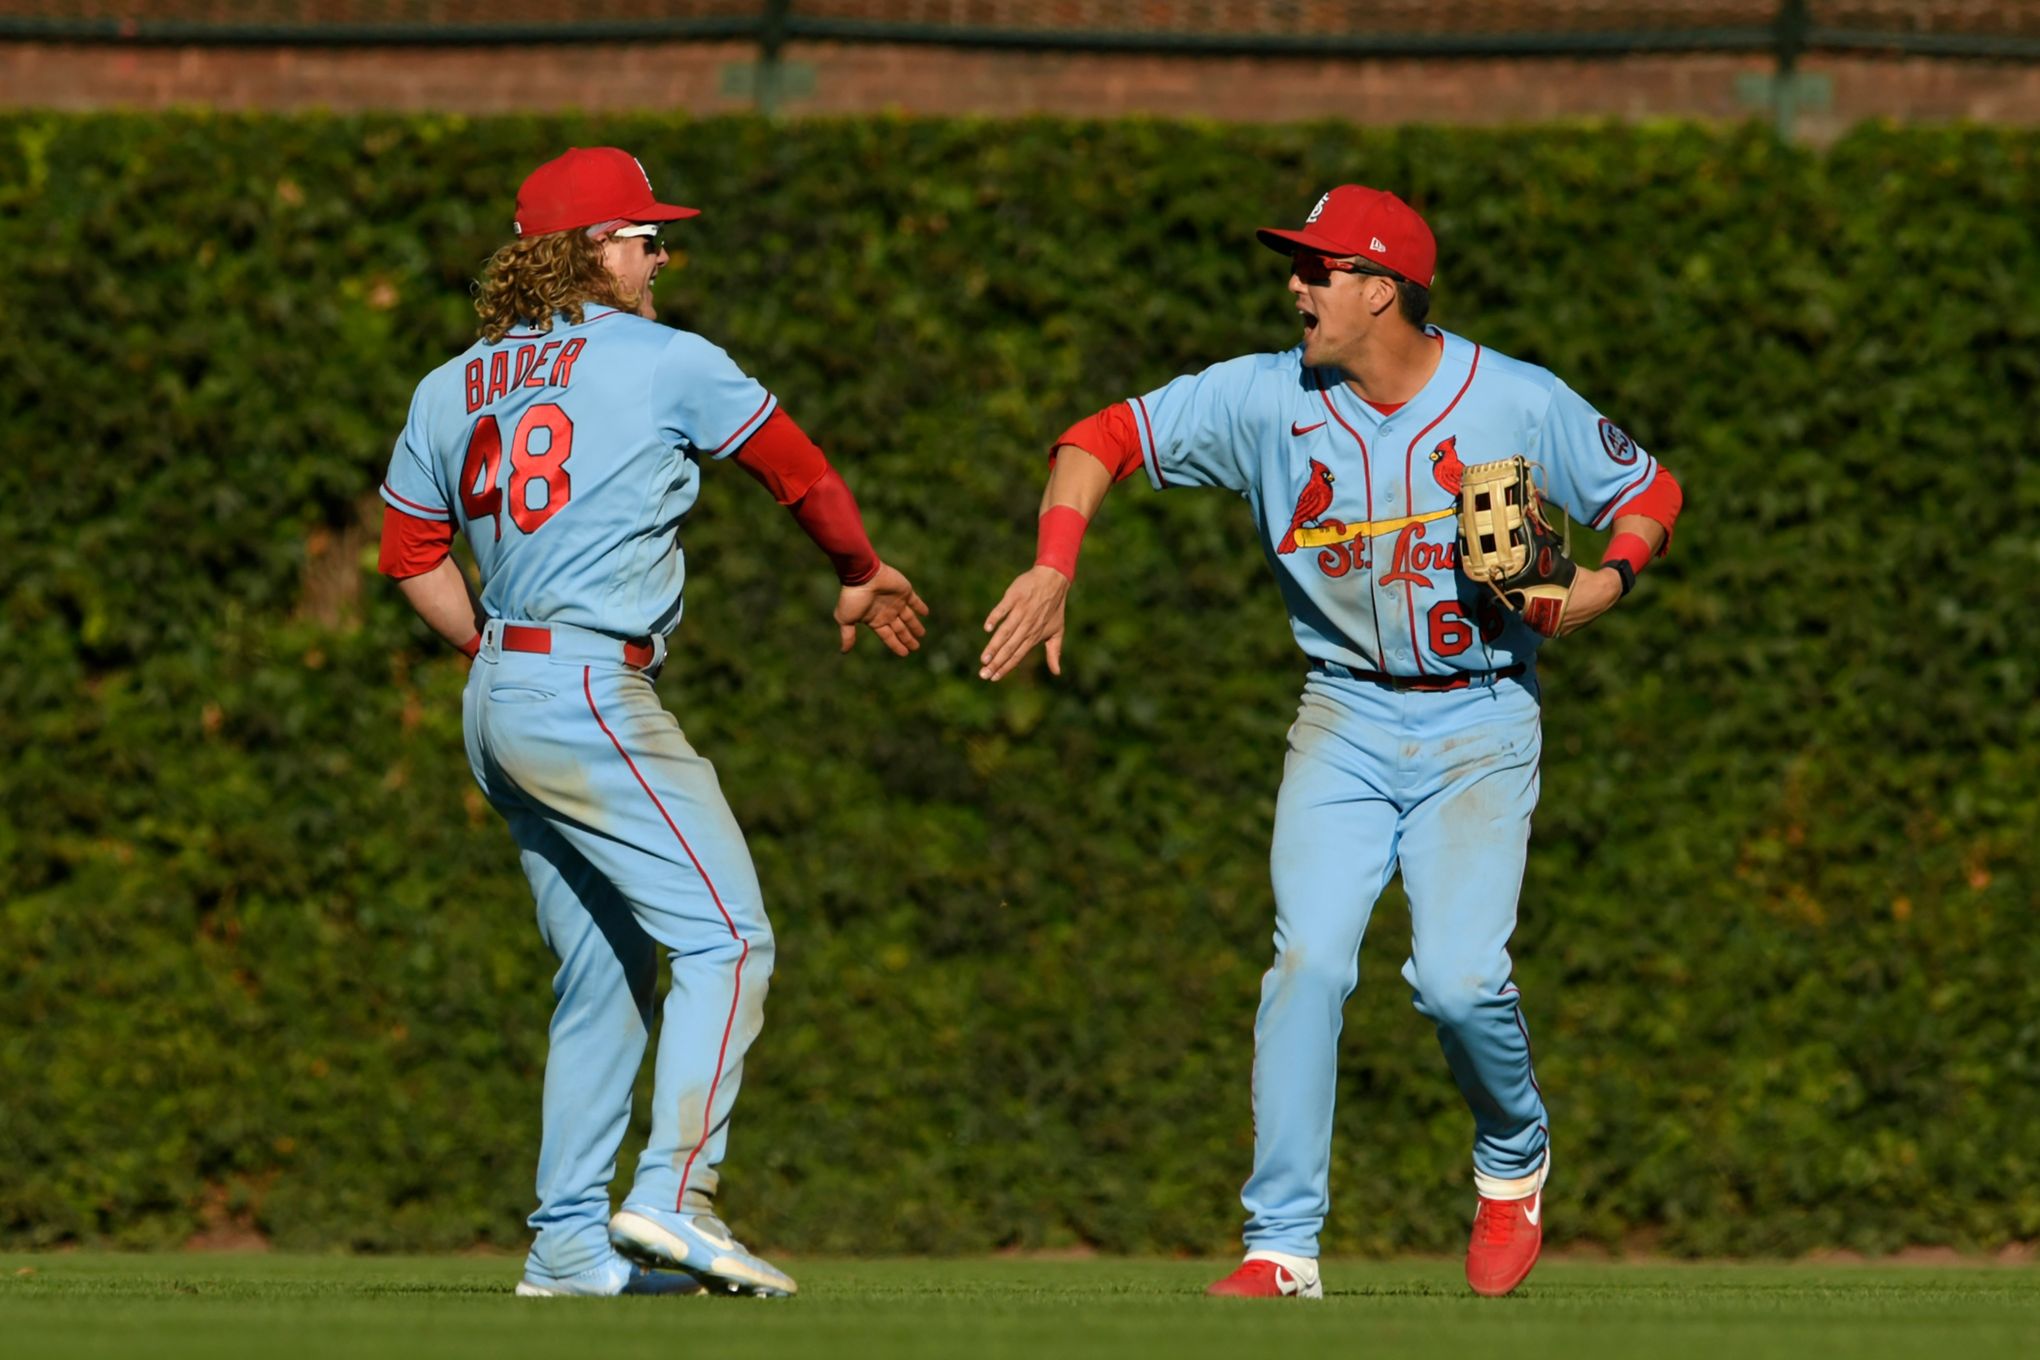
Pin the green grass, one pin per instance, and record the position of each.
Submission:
(300, 1308)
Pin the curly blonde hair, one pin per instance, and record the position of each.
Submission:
(529, 279)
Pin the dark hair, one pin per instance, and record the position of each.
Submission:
(1413, 300)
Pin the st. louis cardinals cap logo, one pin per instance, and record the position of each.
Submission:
(1319, 210)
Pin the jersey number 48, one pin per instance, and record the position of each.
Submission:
(479, 494)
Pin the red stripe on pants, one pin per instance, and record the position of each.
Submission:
(744, 952)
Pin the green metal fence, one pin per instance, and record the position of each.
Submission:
(1783, 30)
(2005, 29)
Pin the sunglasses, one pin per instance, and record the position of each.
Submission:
(653, 239)
(1314, 268)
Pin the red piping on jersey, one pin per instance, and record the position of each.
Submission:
(737, 987)
(1625, 493)
(1148, 431)
(1367, 473)
(1410, 452)
(743, 427)
(1410, 587)
(428, 514)
(542, 335)
(1366, 468)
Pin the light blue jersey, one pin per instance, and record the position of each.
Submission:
(568, 460)
(1434, 779)
(1356, 509)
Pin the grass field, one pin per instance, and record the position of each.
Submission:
(304, 1307)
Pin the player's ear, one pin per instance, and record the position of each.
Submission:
(1381, 293)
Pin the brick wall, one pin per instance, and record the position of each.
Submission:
(831, 78)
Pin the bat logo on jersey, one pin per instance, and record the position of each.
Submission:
(1620, 446)
(1446, 467)
(1311, 504)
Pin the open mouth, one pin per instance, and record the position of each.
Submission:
(1309, 318)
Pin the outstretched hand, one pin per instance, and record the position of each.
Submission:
(1030, 613)
(888, 606)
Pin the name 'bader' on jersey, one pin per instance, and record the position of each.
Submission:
(579, 434)
(534, 366)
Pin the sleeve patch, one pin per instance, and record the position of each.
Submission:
(1621, 448)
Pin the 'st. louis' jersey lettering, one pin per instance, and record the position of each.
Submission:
(568, 459)
(1357, 510)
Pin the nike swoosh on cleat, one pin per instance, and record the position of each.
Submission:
(722, 1241)
(1535, 1209)
(1295, 428)
(1285, 1281)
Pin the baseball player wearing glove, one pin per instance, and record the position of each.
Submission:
(567, 444)
(1385, 463)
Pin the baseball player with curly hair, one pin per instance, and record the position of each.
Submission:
(1416, 744)
(567, 444)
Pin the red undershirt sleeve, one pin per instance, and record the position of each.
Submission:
(1109, 436)
(1661, 501)
(797, 473)
(783, 459)
(412, 546)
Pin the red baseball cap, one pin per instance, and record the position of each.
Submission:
(587, 187)
(1371, 223)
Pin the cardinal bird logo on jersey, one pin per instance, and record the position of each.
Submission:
(1445, 465)
(1315, 500)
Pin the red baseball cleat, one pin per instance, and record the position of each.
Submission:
(1260, 1277)
(1507, 1235)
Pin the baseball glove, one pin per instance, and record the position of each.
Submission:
(1505, 542)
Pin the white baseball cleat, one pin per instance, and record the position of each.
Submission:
(700, 1245)
(611, 1278)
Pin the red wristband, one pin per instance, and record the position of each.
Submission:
(1629, 548)
(471, 647)
(1061, 537)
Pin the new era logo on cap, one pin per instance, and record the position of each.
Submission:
(1354, 220)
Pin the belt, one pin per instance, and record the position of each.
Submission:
(531, 637)
(1427, 684)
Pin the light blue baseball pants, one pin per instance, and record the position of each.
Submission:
(630, 850)
(1441, 784)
